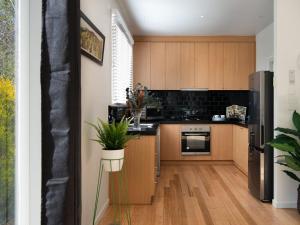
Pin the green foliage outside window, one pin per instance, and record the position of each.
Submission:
(7, 110)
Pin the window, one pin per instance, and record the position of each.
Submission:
(7, 111)
(121, 58)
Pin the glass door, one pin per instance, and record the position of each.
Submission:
(7, 111)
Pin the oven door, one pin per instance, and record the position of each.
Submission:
(195, 143)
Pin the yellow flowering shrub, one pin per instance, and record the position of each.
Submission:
(7, 144)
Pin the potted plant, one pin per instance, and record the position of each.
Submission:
(137, 99)
(288, 142)
(113, 138)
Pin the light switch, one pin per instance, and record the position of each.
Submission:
(292, 77)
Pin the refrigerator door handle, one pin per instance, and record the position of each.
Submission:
(262, 136)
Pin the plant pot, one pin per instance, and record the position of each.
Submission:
(298, 203)
(112, 160)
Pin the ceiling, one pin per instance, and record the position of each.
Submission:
(197, 17)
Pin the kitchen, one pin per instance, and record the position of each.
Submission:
(189, 163)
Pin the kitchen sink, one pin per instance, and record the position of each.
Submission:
(144, 125)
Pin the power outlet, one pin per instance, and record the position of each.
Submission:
(292, 76)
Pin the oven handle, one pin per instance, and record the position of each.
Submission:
(196, 134)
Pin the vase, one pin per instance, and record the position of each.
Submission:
(112, 160)
(137, 119)
(298, 203)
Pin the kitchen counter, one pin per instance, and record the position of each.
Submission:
(243, 124)
(153, 130)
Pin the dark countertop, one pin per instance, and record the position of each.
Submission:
(153, 130)
(243, 124)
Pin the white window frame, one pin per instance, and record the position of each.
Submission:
(28, 113)
(118, 19)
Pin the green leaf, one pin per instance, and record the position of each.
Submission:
(296, 120)
(292, 163)
(281, 163)
(292, 175)
(288, 131)
(112, 136)
(282, 146)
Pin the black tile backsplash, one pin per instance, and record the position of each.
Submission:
(198, 104)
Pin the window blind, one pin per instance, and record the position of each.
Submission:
(121, 59)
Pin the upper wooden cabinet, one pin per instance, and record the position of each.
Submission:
(201, 65)
(214, 63)
(216, 66)
(141, 63)
(172, 66)
(231, 81)
(245, 63)
(157, 66)
(187, 65)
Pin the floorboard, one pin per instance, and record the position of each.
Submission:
(205, 195)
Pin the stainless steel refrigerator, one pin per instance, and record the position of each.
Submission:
(261, 157)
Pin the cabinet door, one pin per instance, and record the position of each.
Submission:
(187, 70)
(246, 64)
(157, 66)
(170, 142)
(240, 152)
(172, 66)
(216, 66)
(231, 66)
(141, 63)
(201, 65)
(139, 163)
(221, 142)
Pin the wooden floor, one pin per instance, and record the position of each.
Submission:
(206, 195)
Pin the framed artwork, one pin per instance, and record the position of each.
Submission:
(92, 41)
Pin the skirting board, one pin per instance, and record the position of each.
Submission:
(102, 211)
(284, 205)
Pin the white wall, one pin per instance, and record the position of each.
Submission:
(96, 95)
(287, 51)
(264, 47)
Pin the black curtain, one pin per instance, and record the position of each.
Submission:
(61, 113)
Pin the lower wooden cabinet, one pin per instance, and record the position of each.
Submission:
(170, 142)
(240, 148)
(140, 168)
(221, 142)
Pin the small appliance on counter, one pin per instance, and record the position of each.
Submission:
(218, 118)
(236, 112)
(117, 111)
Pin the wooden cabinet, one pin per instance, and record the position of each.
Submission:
(167, 64)
(187, 65)
(140, 167)
(170, 142)
(231, 80)
(221, 142)
(172, 66)
(141, 63)
(245, 63)
(201, 65)
(216, 66)
(157, 66)
(240, 148)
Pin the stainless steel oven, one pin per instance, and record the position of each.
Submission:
(195, 140)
